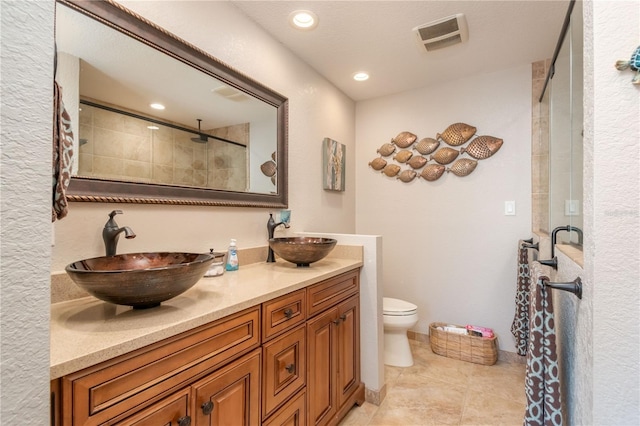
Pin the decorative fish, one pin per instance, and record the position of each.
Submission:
(387, 149)
(482, 147)
(378, 163)
(432, 172)
(417, 162)
(268, 168)
(403, 156)
(427, 145)
(273, 156)
(633, 63)
(391, 170)
(407, 175)
(463, 167)
(404, 139)
(445, 155)
(457, 134)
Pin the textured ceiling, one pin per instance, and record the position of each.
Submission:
(377, 37)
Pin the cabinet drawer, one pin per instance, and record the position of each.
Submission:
(284, 369)
(109, 391)
(327, 293)
(283, 313)
(172, 410)
(293, 413)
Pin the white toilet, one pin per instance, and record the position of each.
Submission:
(398, 316)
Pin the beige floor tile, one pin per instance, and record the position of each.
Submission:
(438, 390)
(360, 415)
(482, 408)
(401, 417)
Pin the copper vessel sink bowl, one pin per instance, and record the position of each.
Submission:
(302, 250)
(140, 280)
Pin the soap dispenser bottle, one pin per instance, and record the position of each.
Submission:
(232, 257)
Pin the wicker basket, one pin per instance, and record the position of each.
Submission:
(480, 350)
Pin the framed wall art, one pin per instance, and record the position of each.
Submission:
(333, 165)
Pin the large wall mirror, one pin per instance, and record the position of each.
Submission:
(219, 137)
(565, 95)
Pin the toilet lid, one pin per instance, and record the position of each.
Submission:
(391, 306)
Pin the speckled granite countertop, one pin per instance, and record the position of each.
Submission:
(87, 331)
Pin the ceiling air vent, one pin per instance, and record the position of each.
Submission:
(443, 32)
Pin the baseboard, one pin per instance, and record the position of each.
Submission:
(504, 356)
(375, 397)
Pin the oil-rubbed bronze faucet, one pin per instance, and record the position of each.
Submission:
(111, 233)
(271, 227)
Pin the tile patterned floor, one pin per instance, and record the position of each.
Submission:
(441, 391)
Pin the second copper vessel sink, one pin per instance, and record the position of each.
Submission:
(302, 250)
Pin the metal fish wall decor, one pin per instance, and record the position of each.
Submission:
(404, 139)
(482, 147)
(429, 150)
(457, 134)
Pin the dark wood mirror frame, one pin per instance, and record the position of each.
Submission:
(101, 190)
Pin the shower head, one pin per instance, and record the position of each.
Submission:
(202, 138)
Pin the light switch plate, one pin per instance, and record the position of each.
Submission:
(571, 208)
(509, 208)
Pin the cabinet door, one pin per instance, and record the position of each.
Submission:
(284, 369)
(231, 395)
(322, 367)
(170, 411)
(348, 335)
(293, 413)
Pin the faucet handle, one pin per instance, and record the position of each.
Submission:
(114, 212)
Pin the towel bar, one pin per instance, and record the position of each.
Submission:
(574, 286)
(551, 262)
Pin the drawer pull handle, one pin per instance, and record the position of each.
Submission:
(288, 313)
(184, 421)
(291, 368)
(207, 408)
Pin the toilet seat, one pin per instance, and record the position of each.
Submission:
(397, 307)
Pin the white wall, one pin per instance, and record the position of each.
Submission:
(25, 221)
(316, 110)
(612, 213)
(448, 247)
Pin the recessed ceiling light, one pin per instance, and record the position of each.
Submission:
(303, 19)
(361, 76)
(157, 106)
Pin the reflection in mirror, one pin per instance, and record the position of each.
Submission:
(207, 143)
(566, 131)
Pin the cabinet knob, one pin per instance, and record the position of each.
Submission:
(336, 321)
(288, 313)
(290, 368)
(207, 408)
(343, 317)
(184, 421)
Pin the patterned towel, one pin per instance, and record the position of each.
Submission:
(520, 325)
(542, 382)
(62, 154)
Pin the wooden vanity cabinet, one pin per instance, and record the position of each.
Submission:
(292, 361)
(333, 347)
(111, 392)
(284, 360)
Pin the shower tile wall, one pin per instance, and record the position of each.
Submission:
(116, 146)
(539, 149)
